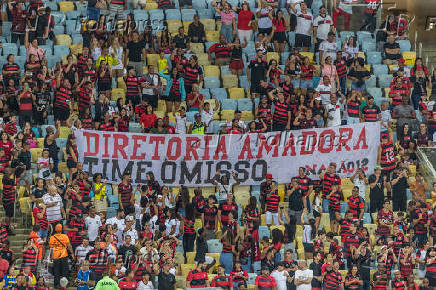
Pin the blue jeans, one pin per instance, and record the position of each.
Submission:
(247, 267)
(343, 84)
(351, 121)
(227, 31)
(226, 259)
(93, 13)
(325, 205)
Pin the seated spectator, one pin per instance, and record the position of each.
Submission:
(392, 51)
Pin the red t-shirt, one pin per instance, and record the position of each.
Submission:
(197, 103)
(148, 121)
(244, 17)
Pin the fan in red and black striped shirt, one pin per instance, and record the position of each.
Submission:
(265, 281)
(333, 278)
(98, 259)
(398, 283)
(328, 178)
(9, 192)
(380, 279)
(222, 280)
(85, 96)
(282, 111)
(356, 204)
(221, 49)
(125, 195)
(371, 112)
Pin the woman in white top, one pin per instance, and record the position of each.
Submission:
(224, 184)
(309, 233)
(359, 179)
(116, 50)
(95, 48)
(45, 165)
(172, 223)
(350, 49)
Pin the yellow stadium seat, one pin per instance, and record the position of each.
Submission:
(174, 25)
(371, 228)
(62, 167)
(186, 268)
(161, 105)
(211, 104)
(152, 59)
(230, 81)
(196, 47)
(121, 84)
(393, 67)
(227, 115)
(361, 54)
(198, 224)
(209, 24)
(151, 6)
(247, 116)
(281, 193)
(242, 197)
(117, 93)
(368, 67)
(190, 256)
(282, 228)
(160, 114)
(63, 39)
(186, 26)
(409, 57)
(308, 54)
(40, 142)
(65, 132)
(76, 48)
(236, 93)
(203, 59)
(36, 153)
(211, 71)
(263, 220)
(317, 71)
(272, 55)
(66, 6)
(412, 169)
(387, 91)
(300, 253)
(181, 282)
(179, 259)
(212, 36)
(215, 256)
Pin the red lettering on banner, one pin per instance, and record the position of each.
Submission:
(246, 148)
(306, 134)
(322, 138)
(136, 138)
(264, 144)
(118, 147)
(192, 144)
(221, 148)
(156, 140)
(290, 144)
(88, 136)
(344, 138)
(207, 139)
(106, 145)
(178, 142)
(362, 139)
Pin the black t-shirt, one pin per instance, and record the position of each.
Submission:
(166, 281)
(42, 22)
(7, 255)
(135, 50)
(394, 45)
(399, 188)
(364, 264)
(181, 41)
(127, 252)
(378, 191)
(296, 200)
(317, 271)
(266, 263)
(359, 74)
(257, 71)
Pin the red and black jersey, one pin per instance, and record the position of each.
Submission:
(210, 214)
(197, 279)
(397, 95)
(380, 280)
(123, 124)
(74, 236)
(288, 89)
(421, 225)
(399, 284)
(345, 228)
(42, 222)
(335, 201)
(304, 183)
(8, 195)
(221, 50)
(387, 218)
(225, 209)
(84, 98)
(265, 112)
(11, 128)
(353, 109)
(4, 162)
(398, 243)
(431, 268)
(62, 98)
(341, 67)
(222, 282)
(82, 62)
(70, 157)
(265, 283)
(140, 109)
(238, 276)
(352, 240)
(3, 232)
(132, 85)
(328, 181)
(227, 248)
(125, 191)
(274, 74)
(387, 264)
(188, 226)
(26, 102)
(105, 80)
(406, 266)
(98, 261)
(13, 68)
(87, 123)
(387, 158)
(355, 205)
(83, 190)
(127, 285)
(354, 285)
(107, 127)
(29, 259)
(332, 280)
(192, 74)
(253, 213)
(307, 72)
(118, 2)
(272, 202)
(91, 73)
(281, 111)
(370, 113)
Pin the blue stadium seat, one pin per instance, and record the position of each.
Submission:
(211, 82)
(366, 218)
(20, 60)
(363, 35)
(249, 48)
(380, 69)
(373, 57)
(291, 38)
(225, 70)
(205, 93)
(71, 27)
(51, 61)
(344, 206)
(135, 127)
(74, 14)
(345, 35)
(156, 14)
(404, 45)
(188, 14)
(245, 104)
(61, 50)
(199, 4)
(315, 81)
(77, 38)
(214, 246)
(234, 3)
(113, 200)
(6, 29)
(229, 104)
(173, 14)
(369, 46)
(53, 5)
(205, 13)
(375, 92)
(243, 82)
(111, 212)
(263, 232)
(384, 81)
(251, 278)
(220, 93)
(140, 14)
(190, 116)
(207, 45)
(58, 16)
(371, 82)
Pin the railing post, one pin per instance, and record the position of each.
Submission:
(416, 38)
(420, 50)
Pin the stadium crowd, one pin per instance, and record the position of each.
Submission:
(233, 68)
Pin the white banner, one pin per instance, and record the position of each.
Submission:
(192, 160)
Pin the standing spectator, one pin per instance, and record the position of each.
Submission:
(265, 281)
(60, 244)
(282, 111)
(196, 31)
(125, 195)
(92, 222)
(303, 30)
(197, 278)
(245, 22)
(303, 276)
(392, 51)
(135, 53)
(98, 259)
(377, 183)
(322, 26)
(166, 280)
(328, 47)
(19, 18)
(175, 91)
(54, 206)
(85, 277)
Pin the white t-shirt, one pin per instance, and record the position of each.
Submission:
(207, 118)
(324, 92)
(350, 51)
(323, 24)
(360, 183)
(45, 163)
(154, 78)
(133, 234)
(142, 286)
(180, 124)
(299, 274)
(307, 234)
(335, 112)
(53, 213)
(170, 224)
(120, 227)
(224, 190)
(304, 23)
(328, 49)
(280, 278)
(92, 224)
(264, 20)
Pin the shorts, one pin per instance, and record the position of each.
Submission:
(270, 216)
(308, 247)
(9, 209)
(316, 214)
(43, 233)
(61, 114)
(266, 31)
(296, 83)
(236, 64)
(173, 98)
(254, 88)
(102, 87)
(71, 164)
(332, 214)
(280, 37)
(306, 84)
(302, 40)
